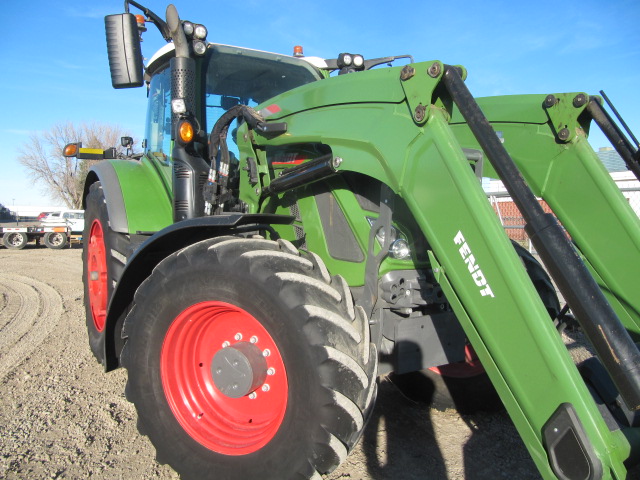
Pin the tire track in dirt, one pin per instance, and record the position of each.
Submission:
(29, 312)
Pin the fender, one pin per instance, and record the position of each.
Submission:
(159, 246)
(138, 200)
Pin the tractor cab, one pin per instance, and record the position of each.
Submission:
(231, 75)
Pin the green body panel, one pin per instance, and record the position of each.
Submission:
(378, 86)
(146, 196)
(356, 217)
(316, 240)
(424, 164)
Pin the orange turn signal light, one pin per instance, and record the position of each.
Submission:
(70, 150)
(185, 131)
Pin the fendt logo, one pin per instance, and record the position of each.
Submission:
(474, 268)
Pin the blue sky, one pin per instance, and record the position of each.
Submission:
(54, 63)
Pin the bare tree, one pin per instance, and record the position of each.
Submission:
(61, 177)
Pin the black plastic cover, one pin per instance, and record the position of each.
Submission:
(570, 452)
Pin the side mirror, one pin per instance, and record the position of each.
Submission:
(123, 48)
(126, 142)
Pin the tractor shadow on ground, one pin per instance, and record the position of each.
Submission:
(407, 439)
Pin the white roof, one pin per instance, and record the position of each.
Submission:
(317, 62)
(166, 48)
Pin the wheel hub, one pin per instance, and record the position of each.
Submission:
(15, 239)
(239, 369)
(214, 379)
(56, 239)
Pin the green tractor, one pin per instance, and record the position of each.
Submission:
(297, 227)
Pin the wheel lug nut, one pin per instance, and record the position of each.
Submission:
(238, 337)
(94, 276)
(252, 395)
(253, 339)
(271, 371)
(266, 352)
(265, 387)
(225, 344)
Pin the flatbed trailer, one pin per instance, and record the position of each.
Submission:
(53, 236)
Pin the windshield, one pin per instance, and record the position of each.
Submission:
(237, 75)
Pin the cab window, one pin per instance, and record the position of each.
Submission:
(158, 126)
(238, 76)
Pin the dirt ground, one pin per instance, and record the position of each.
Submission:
(61, 416)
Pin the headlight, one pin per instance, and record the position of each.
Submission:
(380, 235)
(398, 245)
(199, 47)
(400, 249)
(200, 32)
(178, 106)
(345, 60)
(188, 28)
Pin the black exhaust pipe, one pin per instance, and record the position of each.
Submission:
(189, 171)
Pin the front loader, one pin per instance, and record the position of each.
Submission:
(298, 227)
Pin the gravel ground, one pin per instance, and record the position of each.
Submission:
(63, 417)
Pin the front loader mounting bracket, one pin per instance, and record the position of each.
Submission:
(418, 82)
(563, 111)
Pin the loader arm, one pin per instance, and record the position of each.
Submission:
(572, 180)
(492, 296)
(573, 425)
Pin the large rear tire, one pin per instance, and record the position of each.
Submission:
(465, 386)
(306, 381)
(104, 257)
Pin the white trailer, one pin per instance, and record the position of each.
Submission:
(53, 236)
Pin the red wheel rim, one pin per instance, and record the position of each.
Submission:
(97, 275)
(230, 426)
(470, 367)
